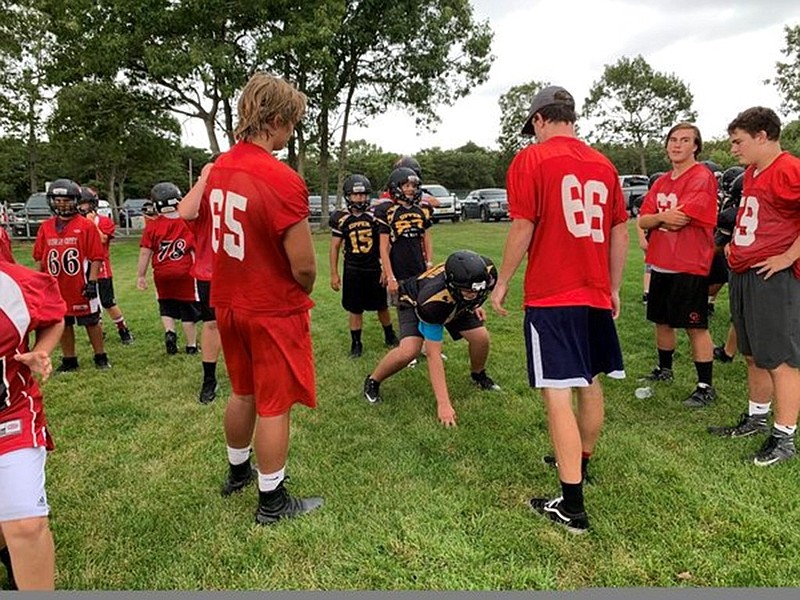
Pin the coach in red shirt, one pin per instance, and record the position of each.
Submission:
(263, 272)
(680, 212)
(569, 218)
(765, 282)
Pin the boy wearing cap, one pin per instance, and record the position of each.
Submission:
(569, 195)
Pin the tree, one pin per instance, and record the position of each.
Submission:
(788, 79)
(635, 105)
(24, 90)
(514, 105)
(108, 132)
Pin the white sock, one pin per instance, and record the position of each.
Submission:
(237, 456)
(787, 429)
(269, 481)
(759, 408)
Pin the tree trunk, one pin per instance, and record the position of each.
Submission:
(33, 154)
(343, 142)
(324, 157)
(642, 158)
(209, 122)
(228, 111)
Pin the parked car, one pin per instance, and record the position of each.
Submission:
(447, 202)
(485, 204)
(35, 212)
(130, 213)
(634, 187)
(315, 207)
(104, 209)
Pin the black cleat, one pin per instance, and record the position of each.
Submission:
(101, 361)
(710, 309)
(721, 355)
(701, 397)
(778, 447)
(372, 390)
(658, 374)
(356, 349)
(125, 336)
(68, 364)
(191, 349)
(5, 559)
(209, 391)
(553, 510)
(235, 484)
(483, 381)
(748, 425)
(279, 504)
(171, 342)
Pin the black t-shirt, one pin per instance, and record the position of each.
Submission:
(405, 226)
(361, 239)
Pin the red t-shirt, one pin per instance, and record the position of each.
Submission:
(5, 247)
(107, 227)
(571, 193)
(254, 199)
(768, 221)
(172, 245)
(66, 249)
(30, 301)
(691, 248)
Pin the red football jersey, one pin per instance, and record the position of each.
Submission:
(107, 227)
(254, 199)
(203, 254)
(768, 221)
(5, 247)
(571, 193)
(691, 248)
(65, 249)
(172, 245)
(28, 301)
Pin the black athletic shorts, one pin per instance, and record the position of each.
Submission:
(679, 300)
(188, 312)
(719, 270)
(84, 320)
(362, 290)
(105, 289)
(408, 323)
(204, 293)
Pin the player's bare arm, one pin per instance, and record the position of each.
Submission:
(444, 409)
(299, 249)
(189, 207)
(141, 268)
(519, 239)
(391, 280)
(38, 358)
(336, 282)
(618, 254)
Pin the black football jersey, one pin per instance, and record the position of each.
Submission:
(429, 296)
(405, 226)
(359, 233)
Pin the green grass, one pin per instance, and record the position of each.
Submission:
(134, 480)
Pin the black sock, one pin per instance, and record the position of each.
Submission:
(388, 331)
(584, 464)
(665, 358)
(209, 370)
(704, 371)
(355, 335)
(573, 497)
(70, 361)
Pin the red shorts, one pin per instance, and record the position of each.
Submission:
(270, 358)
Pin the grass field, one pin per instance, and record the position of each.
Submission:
(133, 482)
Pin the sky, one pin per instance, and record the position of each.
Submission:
(722, 49)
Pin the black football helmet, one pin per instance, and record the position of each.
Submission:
(715, 169)
(356, 184)
(409, 162)
(728, 175)
(653, 178)
(63, 196)
(149, 209)
(400, 177)
(88, 201)
(467, 271)
(165, 196)
(735, 193)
